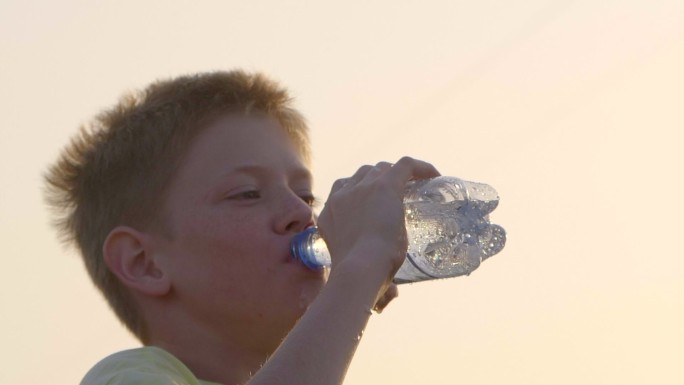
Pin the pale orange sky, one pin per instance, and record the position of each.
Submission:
(572, 110)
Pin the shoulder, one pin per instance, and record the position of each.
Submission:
(147, 365)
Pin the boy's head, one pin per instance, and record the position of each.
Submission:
(117, 169)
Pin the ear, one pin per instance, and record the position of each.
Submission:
(129, 255)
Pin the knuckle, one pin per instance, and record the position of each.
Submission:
(383, 165)
(339, 183)
(406, 160)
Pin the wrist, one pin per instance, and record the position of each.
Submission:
(368, 266)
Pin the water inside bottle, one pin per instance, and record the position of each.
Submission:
(492, 240)
(452, 238)
(446, 244)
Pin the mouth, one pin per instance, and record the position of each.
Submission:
(291, 260)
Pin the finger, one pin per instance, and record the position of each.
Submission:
(360, 173)
(384, 165)
(408, 168)
(379, 169)
(339, 184)
(352, 180)
(391, 293)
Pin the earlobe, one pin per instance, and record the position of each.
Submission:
(129, 255)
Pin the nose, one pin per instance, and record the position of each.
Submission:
(294, 215)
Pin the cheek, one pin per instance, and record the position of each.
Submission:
(227, 240)
(219, 227)
(224, 257)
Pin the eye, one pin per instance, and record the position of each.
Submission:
(310, 200)
(246, 195)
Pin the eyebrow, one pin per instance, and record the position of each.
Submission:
(296, 173)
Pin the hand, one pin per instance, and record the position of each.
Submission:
(363, 222)
(390, 293)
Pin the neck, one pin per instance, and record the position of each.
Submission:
(216, 362)
(228, 356)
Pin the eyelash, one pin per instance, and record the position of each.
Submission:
(255, 194)
(252, 194)
(311, 200)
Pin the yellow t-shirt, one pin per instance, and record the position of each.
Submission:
(148, 365)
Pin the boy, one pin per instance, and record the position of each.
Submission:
(183, 200)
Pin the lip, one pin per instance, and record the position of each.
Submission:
(290, 260)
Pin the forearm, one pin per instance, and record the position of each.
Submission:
(363, 227)
(320, 347)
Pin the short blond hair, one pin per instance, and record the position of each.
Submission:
(116, 169)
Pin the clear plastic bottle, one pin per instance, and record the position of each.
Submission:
(448, 229)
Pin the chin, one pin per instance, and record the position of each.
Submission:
(309, 292)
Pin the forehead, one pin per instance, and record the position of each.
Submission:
(235, 141)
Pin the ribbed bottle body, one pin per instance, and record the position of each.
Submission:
(448, 229)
